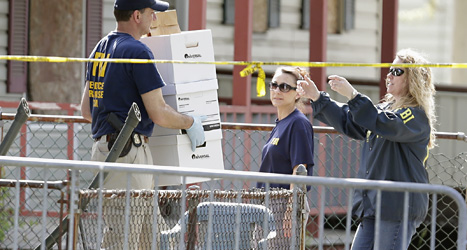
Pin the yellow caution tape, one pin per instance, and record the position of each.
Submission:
(251, 66)
(248, 71)
(260, 82)
(56, 59)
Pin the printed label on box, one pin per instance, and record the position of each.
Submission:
(175, 150)
(189, 46)
(191, 101)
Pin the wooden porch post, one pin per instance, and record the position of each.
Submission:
(388, 39)
(242, 52)
(318, 40)
(197, 15)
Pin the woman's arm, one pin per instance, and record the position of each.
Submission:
(329, 111)
(402, 125)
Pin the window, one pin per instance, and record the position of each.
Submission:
(17, 45)
(93, 24)
(266, 14)
(341, 15)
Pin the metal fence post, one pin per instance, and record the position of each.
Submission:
(192, 218)
(22, 114)
(75, 210)
(301, 170)
(1, 124)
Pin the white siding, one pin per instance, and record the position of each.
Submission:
(451, 118)
(290, 43)
(108, 16)
(430, 33)
(360, 45)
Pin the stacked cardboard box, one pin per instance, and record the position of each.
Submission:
(192, 90)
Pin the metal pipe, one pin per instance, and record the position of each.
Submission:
(301, 170)
(182, 13)
(134, 117)
(57, 185)
(221, 174)
(132, 120)
(62, 200)
(459, 136)
(22, 114)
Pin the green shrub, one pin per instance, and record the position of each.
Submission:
(6, 213)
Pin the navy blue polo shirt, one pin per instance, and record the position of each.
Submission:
(115, 86)
(290, 144)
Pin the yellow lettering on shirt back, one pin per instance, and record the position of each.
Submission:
(102, 65)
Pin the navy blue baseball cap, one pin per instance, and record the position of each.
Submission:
(141, 4)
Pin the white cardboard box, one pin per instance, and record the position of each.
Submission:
(175, 150)
(189, 46)
(190, 87)
(195, 98)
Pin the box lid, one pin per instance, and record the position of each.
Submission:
(183, 88)
(183, 139)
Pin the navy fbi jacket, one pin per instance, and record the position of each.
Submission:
(395, 148)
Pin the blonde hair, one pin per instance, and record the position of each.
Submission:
(420, 90)
(297, 73)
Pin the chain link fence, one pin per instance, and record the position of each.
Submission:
(260, 221)
(335, 156)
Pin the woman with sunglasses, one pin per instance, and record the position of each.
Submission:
(397, 134)
(291, 141)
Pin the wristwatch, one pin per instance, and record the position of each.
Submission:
(311, 100)
(354, 94)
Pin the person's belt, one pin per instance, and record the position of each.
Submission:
(107, 138)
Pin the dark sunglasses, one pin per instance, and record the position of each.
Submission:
(283, 87)
(396, 71)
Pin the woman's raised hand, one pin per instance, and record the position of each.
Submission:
(307, 88)
(341, 86)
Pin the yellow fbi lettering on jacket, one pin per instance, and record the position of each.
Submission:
(407, 115)
(96, 89)
(275, 141)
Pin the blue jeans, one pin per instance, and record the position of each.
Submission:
(390, 237)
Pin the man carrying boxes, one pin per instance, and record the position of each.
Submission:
(113, 87)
